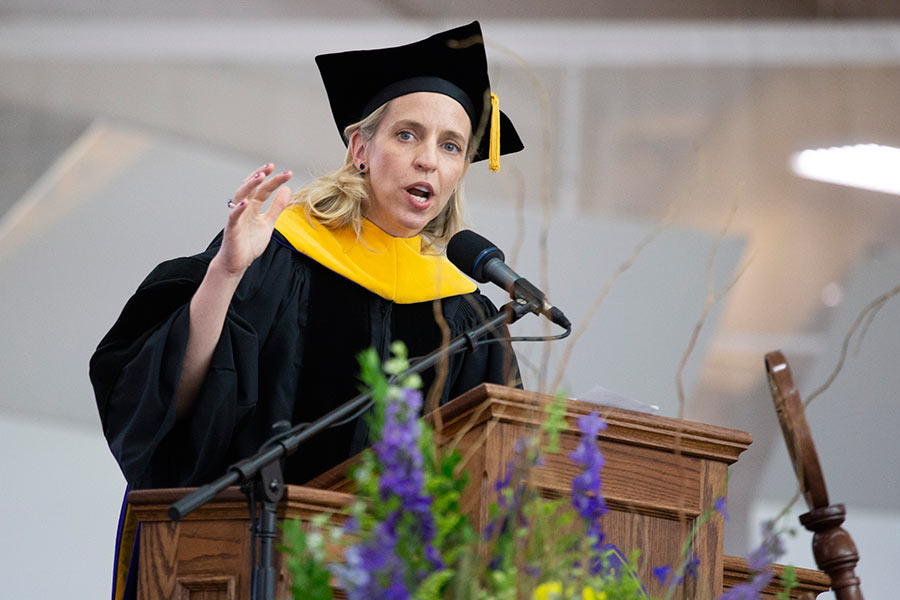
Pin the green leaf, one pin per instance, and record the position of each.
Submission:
(788, 582)
(310, 579)
(555, 422)
(432, 587)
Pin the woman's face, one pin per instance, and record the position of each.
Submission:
(415, 160)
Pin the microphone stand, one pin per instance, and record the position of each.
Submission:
(261, 477)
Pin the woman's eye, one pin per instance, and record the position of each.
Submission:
(451, 147)
(405, 136)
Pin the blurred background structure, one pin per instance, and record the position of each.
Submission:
(126, 126)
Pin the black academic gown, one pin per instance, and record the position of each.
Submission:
(287, 352)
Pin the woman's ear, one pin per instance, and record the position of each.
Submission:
(357, 148)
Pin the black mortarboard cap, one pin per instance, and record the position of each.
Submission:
(452, 62)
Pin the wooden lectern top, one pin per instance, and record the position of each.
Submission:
(492, 402)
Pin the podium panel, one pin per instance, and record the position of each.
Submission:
(206, 556)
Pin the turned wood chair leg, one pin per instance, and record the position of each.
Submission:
(834, 550)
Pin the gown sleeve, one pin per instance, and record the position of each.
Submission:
(136, 367)
(493, 362)
(266, 367)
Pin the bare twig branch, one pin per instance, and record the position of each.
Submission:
(442, 369)
(607, 286)
(519, 195)
(711, 299)
(867, 314)
(545, 199)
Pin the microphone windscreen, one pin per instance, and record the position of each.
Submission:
(470, 252)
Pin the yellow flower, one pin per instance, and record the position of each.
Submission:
(552, 590)
(588, 593)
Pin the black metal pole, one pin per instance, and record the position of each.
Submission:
(270, 489)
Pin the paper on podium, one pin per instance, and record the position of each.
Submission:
(604, 397)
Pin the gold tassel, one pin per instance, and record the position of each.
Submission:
(494, 152)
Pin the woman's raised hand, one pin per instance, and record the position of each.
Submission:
(249, 228)
(247, 233)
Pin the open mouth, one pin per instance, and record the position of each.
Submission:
(420, 193)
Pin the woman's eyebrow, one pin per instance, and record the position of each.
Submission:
(410, 123)
(456, 135)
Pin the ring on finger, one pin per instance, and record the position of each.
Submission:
(231, 203)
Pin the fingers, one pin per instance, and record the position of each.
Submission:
(265, 170)
(279, 203)
(249, 185)
(257, 187)
(235, 213)
(270, 185)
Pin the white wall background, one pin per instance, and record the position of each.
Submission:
(61, 497)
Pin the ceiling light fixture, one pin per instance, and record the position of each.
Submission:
(867, 166)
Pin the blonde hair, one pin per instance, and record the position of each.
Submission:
(339, 198)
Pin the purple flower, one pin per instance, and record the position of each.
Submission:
(351, 525)
(662, 573)
(758, 562)
(720, 507)
(587, 488)
(691, 568)
(688, 569)
(749, 590)
(373, 567)
(533, 571)
(511, 489)
(768, 551)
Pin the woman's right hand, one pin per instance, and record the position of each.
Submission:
(247, 233)
(249, 228)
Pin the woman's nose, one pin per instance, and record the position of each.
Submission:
(426, 158)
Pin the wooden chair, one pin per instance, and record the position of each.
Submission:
(833, 548)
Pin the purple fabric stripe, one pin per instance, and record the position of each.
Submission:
(119, 530)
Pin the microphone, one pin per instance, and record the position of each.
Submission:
(481, 260)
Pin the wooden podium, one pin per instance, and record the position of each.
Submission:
(659, 477)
